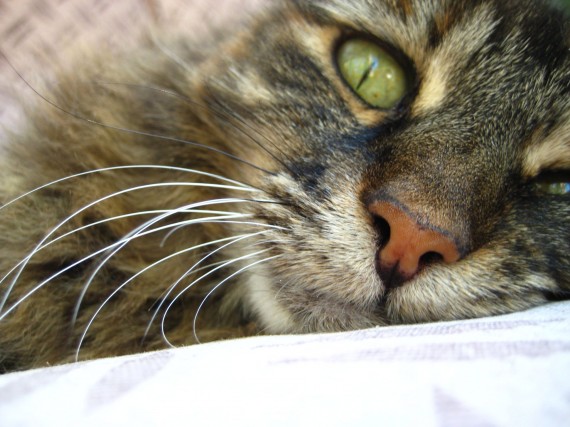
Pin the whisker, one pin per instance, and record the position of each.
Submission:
(159, 300)
(193, 269)
(118, 217)
(215, 288)
(111, 168)
(186, 288)
(221, 215)
(171, 55)
(164, 293)
(231, 215)
(123, 241)
(109, 196)
(227, 220)
(126, 130)
(120, 287)
(132, 236)
(223, 114)
(86, 258)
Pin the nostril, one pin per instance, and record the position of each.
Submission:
(430, 258)
(383, 229)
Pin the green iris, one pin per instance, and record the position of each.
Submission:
(556, 188)
(372, 73)
(556, 182)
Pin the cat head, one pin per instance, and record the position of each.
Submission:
(404, 142)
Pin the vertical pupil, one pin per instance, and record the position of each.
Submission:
(369, 72)
(374, 74)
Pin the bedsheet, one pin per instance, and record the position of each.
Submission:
(511, 370)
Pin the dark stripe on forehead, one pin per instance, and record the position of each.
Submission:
(548, 36)
(406, 7)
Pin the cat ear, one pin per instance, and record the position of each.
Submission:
(549, 150)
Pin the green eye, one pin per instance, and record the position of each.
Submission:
(553, 182)
(372, 73)
(557, 188)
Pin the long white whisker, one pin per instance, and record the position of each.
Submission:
(193, 269)
(215, 288)
(112, 168)
(227, 220)
(125, 283)
(137, 232)
(165, 291)
(172, 56)
(76, 230)
(122, 242)
(109, 196)
(232, 215)
(222, 214)
(225, 264)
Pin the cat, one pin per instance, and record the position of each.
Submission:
(330, 166)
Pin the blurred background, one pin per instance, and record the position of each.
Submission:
(37, 34)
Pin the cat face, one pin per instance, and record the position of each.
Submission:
(423, 209)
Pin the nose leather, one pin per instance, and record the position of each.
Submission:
(409, 244)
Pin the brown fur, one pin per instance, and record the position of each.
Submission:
(460, 153)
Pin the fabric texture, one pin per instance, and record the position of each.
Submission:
(510, 370)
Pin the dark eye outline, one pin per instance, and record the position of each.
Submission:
(554, 183)
(405, 63)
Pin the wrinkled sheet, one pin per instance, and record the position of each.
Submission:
(511, 370)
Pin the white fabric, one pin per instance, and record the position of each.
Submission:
(511, 370)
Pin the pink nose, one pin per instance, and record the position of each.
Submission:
(408, 246)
